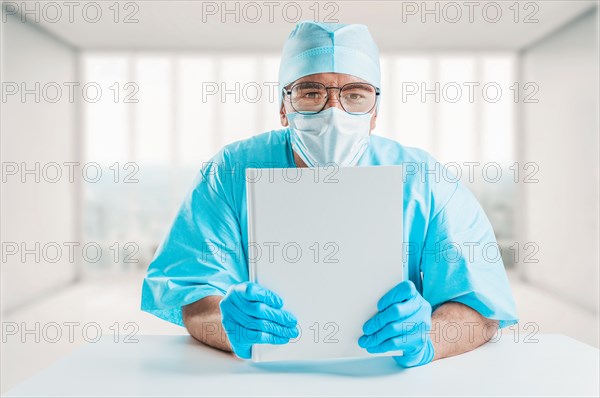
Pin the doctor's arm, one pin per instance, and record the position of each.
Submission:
(404, 322)
(196, 278)
(457, 328)
(248, 314)
(202, 319)
(464, 298)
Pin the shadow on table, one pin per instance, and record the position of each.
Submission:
(196, 358)
(364, 367)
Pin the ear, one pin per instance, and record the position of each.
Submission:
(374, 120)
(282, 116)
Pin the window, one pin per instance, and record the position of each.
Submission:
(190, 105)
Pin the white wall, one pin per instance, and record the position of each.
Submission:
(36, 132)
(560, 133)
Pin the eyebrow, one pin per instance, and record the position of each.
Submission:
(359, 84)
(310, 84)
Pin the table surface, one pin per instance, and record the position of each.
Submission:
(555, 365)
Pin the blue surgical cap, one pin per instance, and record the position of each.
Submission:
(314, 47)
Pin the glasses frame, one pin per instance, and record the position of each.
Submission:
(289, 90)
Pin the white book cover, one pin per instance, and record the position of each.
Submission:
(329, 242)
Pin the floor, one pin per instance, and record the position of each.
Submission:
(35, 336)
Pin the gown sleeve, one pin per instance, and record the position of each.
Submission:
(461, 261)
(202, 254)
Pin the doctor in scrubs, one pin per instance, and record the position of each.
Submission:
(330, 91)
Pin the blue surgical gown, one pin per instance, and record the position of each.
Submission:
(205, 250)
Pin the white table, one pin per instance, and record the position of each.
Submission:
(179, 366)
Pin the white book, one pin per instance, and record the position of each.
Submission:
(329, 242)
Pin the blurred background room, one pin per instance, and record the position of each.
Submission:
(109, 110)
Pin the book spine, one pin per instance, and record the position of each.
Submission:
(250, 178)
(250, 209)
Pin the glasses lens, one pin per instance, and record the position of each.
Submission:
(358, 97)
(308, 97)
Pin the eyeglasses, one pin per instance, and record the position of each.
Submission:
(311, 97)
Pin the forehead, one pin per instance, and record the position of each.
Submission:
(329, 79)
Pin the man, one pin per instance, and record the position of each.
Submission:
(330, 77)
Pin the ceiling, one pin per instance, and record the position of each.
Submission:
(197, 26)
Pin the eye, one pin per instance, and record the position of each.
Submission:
(354, 96)
(313, 95)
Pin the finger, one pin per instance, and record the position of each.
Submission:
(243, 318)
(241, 336)
(243, 352)
(250, 291)
(258, 310)
(388, 345)
(409, 326)
(389, 331)
(272, 328)
(249, 337)
(393, 313)
(407, 343)
(236, 340)
(399, 293)
(263, 311)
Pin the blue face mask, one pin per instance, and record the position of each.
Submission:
(330, 136)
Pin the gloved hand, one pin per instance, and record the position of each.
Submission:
(402, 323)
(251, 315)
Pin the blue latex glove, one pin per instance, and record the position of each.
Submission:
(251, 315)
(402, 323)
